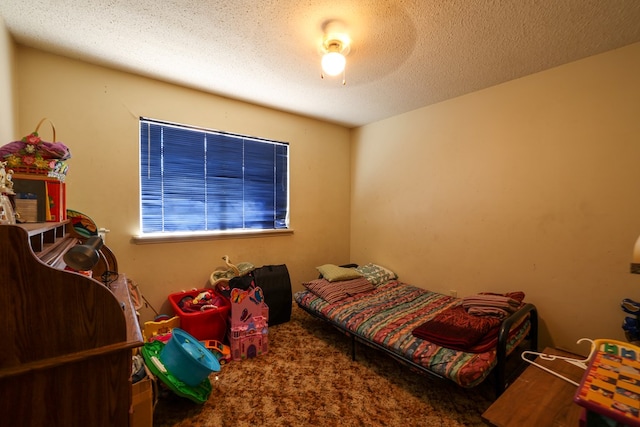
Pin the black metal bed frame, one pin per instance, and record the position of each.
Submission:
(502, 378)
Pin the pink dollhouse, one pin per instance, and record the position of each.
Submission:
(249, 334)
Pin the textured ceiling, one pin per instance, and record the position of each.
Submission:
(404, 55)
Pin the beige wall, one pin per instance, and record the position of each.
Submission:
(530, 185)
(7, 105)
(527, 186)
(96, 110)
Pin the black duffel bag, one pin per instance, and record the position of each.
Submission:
(275, 283)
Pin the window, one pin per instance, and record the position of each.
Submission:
(198, 180)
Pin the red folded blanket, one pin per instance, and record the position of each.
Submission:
(458, 329)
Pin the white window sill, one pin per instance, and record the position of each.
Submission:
(144, 239)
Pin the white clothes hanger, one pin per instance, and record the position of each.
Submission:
(581, 363)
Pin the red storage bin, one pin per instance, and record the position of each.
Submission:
(210, 324)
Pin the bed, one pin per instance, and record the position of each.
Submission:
(423, 329)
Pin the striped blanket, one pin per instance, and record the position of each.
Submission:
(389, 314)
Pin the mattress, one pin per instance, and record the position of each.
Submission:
(387, 316)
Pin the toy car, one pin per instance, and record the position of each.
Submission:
(221, 351)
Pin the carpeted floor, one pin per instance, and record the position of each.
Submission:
(309, 379)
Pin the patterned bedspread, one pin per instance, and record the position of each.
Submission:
(388, 315)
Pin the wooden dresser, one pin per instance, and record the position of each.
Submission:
(67, 340)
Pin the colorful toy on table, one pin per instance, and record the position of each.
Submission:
(610, 387)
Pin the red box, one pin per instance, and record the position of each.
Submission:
(57, 195)
(209, 324)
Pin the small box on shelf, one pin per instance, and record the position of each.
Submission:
(39, 198)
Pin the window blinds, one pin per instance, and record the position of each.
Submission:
(195, 180)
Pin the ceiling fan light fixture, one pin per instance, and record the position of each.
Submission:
(334, 49)
(333, 63)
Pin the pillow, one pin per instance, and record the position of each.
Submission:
(376, 274)
(337, 291)
(333, 273)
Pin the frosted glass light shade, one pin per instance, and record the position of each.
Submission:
(333, 63)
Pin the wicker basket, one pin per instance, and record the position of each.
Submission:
(33, 156)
